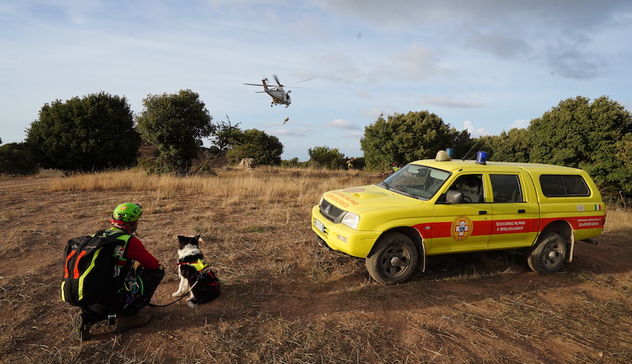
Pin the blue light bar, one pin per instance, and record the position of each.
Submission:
(481, 157)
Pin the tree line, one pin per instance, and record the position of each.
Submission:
(99, 131)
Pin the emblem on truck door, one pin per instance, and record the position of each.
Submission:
(461, 228)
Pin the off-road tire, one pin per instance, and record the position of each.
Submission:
(549, 255)
(393, 260)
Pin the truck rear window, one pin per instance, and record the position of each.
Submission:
(555, 185)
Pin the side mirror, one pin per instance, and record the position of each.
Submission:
(453, 196)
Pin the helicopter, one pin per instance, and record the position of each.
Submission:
(278, 94)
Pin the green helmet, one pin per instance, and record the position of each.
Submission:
(127, 212)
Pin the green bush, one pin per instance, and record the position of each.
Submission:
(588, 135)
(403, 138)
(293, 163)
(511, 146)
(264, 149)
(356, 163)
(94, 132)
(17, 159)
(325, 157)
(153, 166)
(175, 124)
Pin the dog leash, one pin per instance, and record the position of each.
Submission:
(181, 297)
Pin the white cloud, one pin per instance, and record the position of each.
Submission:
(363, 94)
(415, 63)
(291, 132)
(469, 126)
(357, 134)
(6, 8)
(520, 124)
(449, 103)
(342, 124)
(338, 67)
(375, 112)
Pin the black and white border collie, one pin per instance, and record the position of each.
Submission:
(195, 274)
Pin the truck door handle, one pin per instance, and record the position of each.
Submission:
(482, 212)
(522, 211)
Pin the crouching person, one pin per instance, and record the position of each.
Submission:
(110, 275)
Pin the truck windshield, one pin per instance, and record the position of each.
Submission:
(416, 181)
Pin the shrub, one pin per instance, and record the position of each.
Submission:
(325, 157)
(175, 124)
(94, 132)
(264, 149)
(17, 159)
(402, 138)
(356, 163)
(588, 135)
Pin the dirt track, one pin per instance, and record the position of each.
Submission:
(286, 300)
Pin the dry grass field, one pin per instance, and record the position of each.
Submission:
(284, 299)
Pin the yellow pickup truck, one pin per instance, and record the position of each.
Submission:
(444, 206)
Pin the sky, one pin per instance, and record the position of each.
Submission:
(481, 65)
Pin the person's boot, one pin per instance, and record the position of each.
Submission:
(129, 322)
(81, 324)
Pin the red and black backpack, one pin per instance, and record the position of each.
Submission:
(94, 268)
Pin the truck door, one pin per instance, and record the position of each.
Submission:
(463, 225)
(515, 211)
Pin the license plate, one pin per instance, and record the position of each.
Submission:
(319, 225)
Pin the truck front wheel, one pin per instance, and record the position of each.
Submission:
(393, 260)
(549, 255)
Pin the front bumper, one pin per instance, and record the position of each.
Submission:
(341, 237)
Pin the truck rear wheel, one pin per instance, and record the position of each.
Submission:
(394, 259)
(549, 255)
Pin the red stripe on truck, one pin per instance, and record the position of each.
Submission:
(512, 226)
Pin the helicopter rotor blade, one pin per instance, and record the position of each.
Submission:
(253, 84)
(305, 80)
(277, 80)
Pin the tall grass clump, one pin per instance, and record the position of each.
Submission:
(271, 184)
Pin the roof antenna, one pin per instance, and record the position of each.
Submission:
(473, 145)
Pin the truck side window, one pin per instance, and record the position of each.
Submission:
(555, 185)
(471, 186)
(506, 188)
(575, 186)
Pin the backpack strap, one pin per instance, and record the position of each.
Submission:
(111, 237)
(84, 243)
(99, 233)
(125, 241)
(114, 238)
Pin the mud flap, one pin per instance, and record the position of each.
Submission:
(571, 251)
(422, 256)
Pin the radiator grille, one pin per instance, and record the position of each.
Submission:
(331, 212)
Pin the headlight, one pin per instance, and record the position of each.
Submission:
(351, 220)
